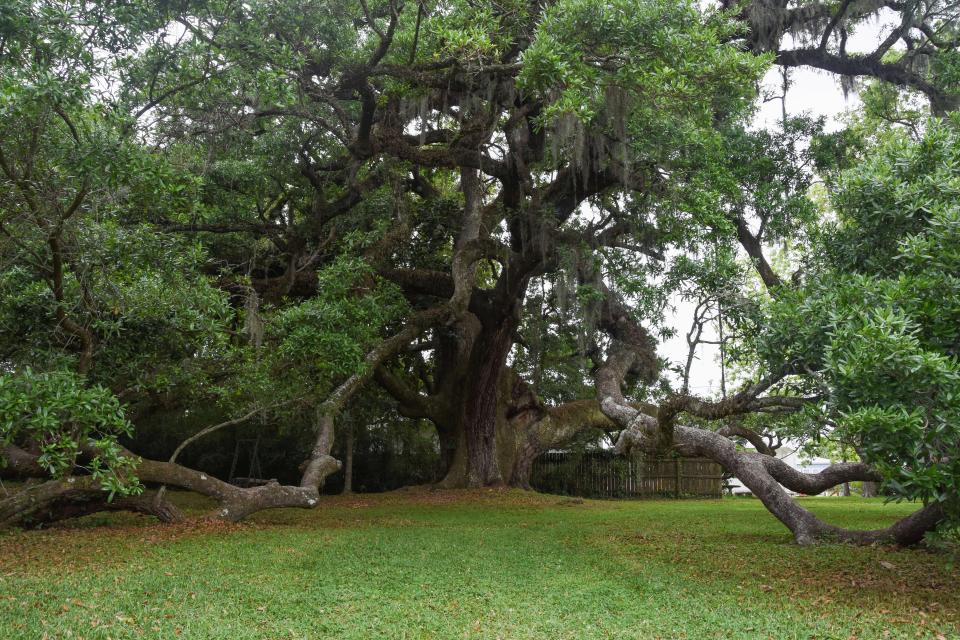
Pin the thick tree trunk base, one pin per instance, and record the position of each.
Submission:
(461, 474)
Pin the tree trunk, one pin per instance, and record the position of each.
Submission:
(480, 409)
(348, 462)
(449, 438)
(482, 433)
(869, 489)
(523, 468)
(461, 472)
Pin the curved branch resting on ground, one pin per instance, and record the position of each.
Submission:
(760, 473)
(764, 475)
(235, 503)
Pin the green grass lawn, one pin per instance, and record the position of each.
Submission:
(420, 564)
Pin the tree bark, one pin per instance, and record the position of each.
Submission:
(57, 500)
(481, 407)
(764, 475)
(348, 461)
(484, 438)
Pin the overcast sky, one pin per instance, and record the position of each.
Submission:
(813, 92)
(816, 93)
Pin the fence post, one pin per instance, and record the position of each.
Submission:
(676, 468)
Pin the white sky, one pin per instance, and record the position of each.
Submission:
(816, 93)
(813, 92)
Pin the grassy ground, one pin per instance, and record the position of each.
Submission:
(474, 565)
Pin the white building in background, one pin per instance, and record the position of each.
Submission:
(791, 457)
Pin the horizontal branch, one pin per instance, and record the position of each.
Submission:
(764, 475)
(863, 66)
(813, 483)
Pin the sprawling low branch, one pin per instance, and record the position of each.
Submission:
(73, 497)
(765, 475)
(814, 483)
(18, 462)
(542, 428)
(235, 503)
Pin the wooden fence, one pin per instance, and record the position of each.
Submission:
(600, 474)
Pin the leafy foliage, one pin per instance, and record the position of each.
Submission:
(236, 202)
(64, 419)
(878, 317)
(325, 339)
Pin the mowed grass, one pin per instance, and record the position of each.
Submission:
(480, 564)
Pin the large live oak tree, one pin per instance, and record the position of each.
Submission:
(521, 184)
